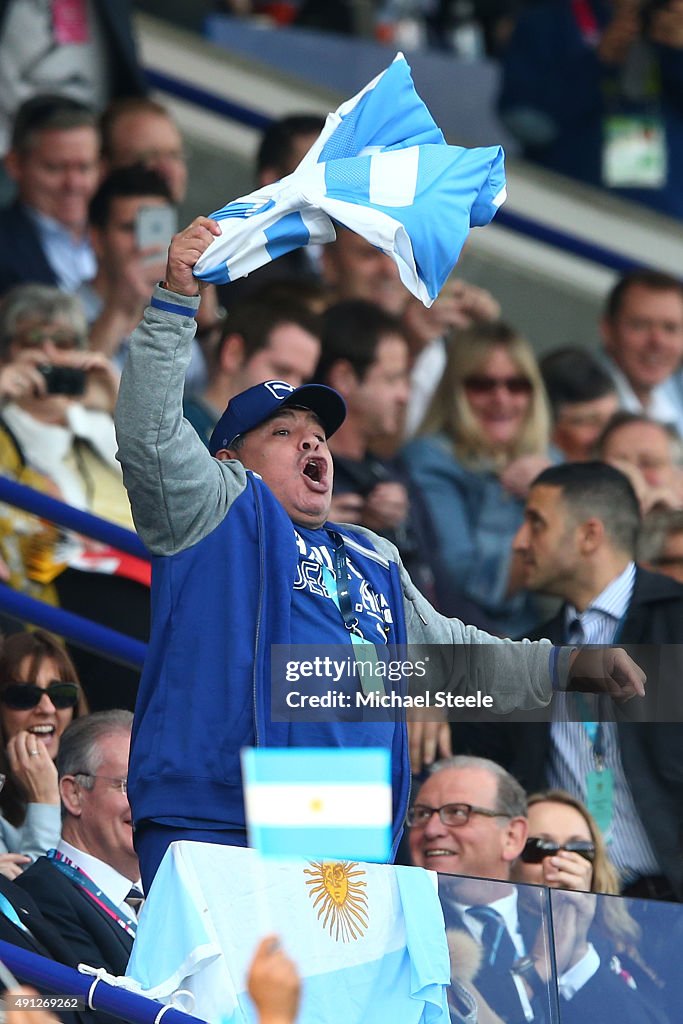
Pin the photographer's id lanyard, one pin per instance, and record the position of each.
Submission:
(634, 153)
(600, 780)
(337, 587)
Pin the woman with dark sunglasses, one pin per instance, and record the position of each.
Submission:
(483, 438)
(565, 850)
(39, 696)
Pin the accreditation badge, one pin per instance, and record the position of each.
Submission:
(600, 796)
(634, 152)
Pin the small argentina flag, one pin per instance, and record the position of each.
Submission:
(380, 167)
(319, 803)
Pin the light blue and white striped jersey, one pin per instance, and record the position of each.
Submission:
(380, 167)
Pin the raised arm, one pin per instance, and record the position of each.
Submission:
(178, 492)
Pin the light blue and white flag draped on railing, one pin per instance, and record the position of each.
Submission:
(380, 167)
(369, 940)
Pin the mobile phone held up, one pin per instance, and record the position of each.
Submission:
(155, 226)
(63, 380)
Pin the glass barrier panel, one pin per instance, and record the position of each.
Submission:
(617, 959)
(499, 937)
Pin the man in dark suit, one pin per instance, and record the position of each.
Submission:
(469, 819)
(577, 543)
(54, 160)
(86, 886)
(22, 924)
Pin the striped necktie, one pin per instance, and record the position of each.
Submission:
(134, 900)
(498, 947)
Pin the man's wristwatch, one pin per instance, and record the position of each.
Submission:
(525, 967)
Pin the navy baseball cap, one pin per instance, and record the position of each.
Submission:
(256, 405)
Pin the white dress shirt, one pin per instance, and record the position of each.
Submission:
(114, 885)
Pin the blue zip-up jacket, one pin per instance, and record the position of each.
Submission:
(221, 603)
(223, 568)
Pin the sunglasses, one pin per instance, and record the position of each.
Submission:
(537, 849)
(24, 696)
(480, 384)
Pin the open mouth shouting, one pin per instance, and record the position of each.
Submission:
(315, 471)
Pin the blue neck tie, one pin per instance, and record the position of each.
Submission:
(498, 947)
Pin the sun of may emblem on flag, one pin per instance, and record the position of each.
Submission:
(337, 889)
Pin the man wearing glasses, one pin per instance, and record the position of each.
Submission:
(89, 886)
(469, 819)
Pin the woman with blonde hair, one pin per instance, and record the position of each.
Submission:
(565, 850)
(483, 439)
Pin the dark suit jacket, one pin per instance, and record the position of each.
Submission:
(651, 751)
(44, 938)
(21, 255)
(94, 937)
(496, 985)
(603, 998)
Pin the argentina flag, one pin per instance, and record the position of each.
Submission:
(369, 940)
(380, 167)
(318, 803)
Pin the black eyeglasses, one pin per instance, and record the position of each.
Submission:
(482, 384)
(537, 849)
(449, 814)
(24, 696)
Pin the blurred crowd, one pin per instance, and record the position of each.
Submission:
(528, 497)
(619, 126)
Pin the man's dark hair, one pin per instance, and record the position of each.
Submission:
(624, 418)
(48, 112)
(597, 489)
(573, 375)
(656, 280)
(302, 291)
(276, 148)
(352, 330)
(254, 322)
(125, 183)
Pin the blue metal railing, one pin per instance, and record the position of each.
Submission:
(568, 243)
(98, 995)
(71, 518)
(74, 628)
(200, 97)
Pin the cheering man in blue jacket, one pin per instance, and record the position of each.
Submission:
(244, 558)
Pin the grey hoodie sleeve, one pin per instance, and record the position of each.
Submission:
(516, 674)
(177, 491)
